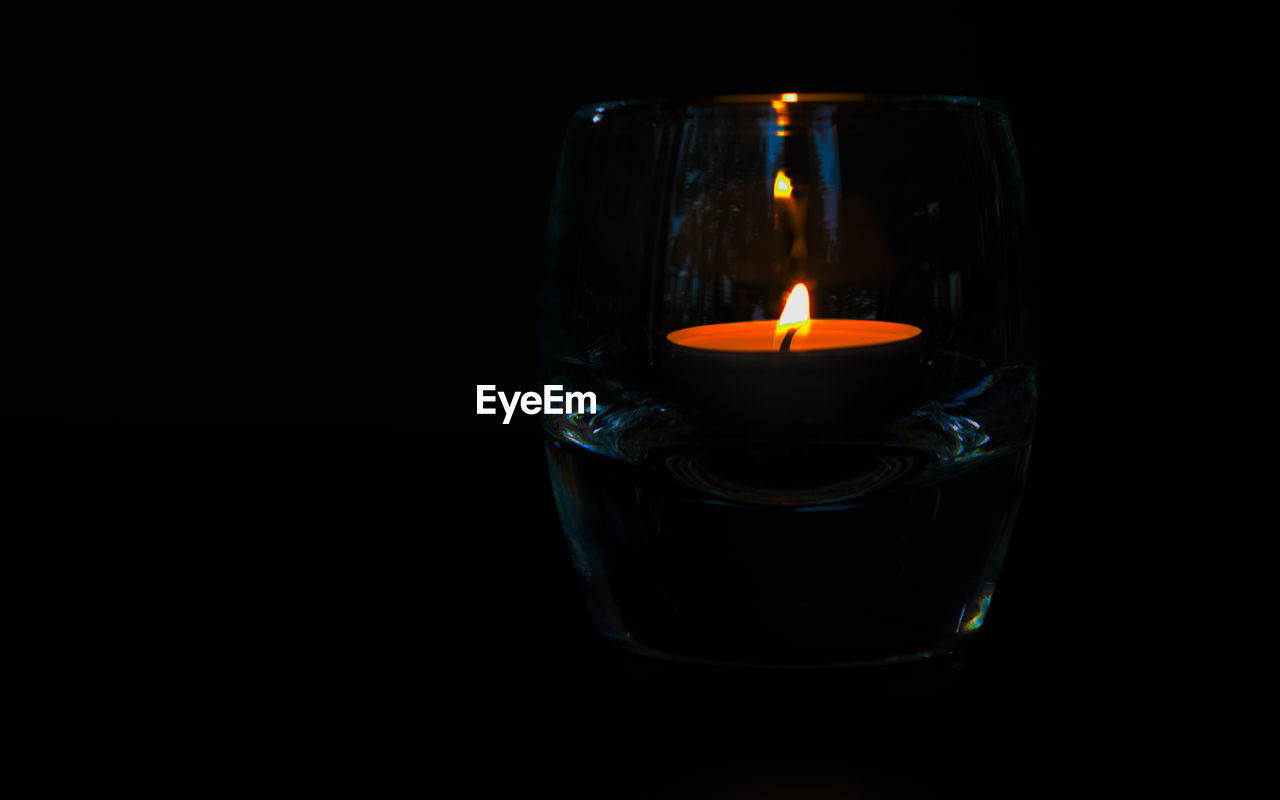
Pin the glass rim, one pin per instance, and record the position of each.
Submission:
(798, 100)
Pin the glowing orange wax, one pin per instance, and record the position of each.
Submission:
(824, 334)
(764, 336)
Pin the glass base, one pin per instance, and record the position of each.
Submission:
(833, 662)
(901, 568)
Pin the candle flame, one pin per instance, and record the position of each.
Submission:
(795, 315)
(790, 97)
(782, 189)
(796, 311)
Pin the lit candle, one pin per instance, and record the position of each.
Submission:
(796, 373)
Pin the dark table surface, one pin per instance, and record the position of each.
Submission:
(224, 605)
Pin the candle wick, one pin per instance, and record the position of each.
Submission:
(786, 341)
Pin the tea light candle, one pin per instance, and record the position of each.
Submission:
(796, 373)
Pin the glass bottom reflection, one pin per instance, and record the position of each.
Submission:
(812, 555)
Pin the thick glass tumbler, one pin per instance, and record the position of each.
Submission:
(774, 474)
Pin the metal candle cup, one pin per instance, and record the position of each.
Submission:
(842, 375)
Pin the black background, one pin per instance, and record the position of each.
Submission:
(275, 540)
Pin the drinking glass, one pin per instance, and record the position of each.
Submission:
(843, 504)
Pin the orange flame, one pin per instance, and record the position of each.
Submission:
(795, 315)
